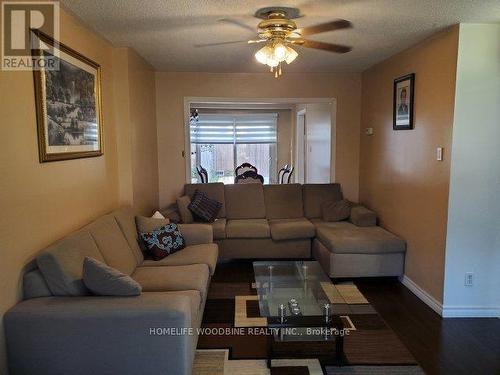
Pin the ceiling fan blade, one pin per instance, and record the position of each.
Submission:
(219, 44)
(324, 27)
(257, 41)
(337, 48)
(232, 21)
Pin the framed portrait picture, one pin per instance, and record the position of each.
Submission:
(403, 102)
(68, 103)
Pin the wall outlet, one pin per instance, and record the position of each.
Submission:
(469, 279)
(369, 131)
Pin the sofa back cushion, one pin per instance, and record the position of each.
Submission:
(112, 243)
(283, 201)
(245, 201)
(213, 190)
(61, 264)
(315, 195)
(34, 285)
(125, 217)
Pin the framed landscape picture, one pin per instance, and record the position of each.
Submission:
(68, 103)
(403, 102)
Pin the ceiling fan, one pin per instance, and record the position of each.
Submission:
(280, 33)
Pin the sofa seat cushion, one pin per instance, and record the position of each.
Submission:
(196, 254)
(248, 228)
(173, 278)
(291, 229)
(347, 238)
(219, 229)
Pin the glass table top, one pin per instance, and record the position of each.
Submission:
(301, 286)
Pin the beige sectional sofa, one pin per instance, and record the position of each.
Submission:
(60, 329)
(285, 221)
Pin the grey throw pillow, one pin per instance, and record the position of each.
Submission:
(103, 280)
(337, 210)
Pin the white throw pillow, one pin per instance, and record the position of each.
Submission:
(157, 215)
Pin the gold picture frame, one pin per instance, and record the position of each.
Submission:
(68, 103)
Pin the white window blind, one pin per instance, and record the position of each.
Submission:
(234, 129)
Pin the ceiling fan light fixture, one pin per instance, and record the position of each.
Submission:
(272, 62)
(274, 54)
(264, 54)
(291, 55)
(280, 51)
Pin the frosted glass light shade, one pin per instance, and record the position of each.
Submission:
(272, 55)
(280, 52)
(291, 55)
(263, 54)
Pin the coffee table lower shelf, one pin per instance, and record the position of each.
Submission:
(317, 322)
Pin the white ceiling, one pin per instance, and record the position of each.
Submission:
(165, 32)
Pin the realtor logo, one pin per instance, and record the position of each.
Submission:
(21, 23)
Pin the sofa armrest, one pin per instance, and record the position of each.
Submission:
(363, 217)
(100, 335)
(196, 234)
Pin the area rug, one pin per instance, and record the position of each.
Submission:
(234, 330)
(216, 362)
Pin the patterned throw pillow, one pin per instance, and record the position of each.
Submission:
(204, 208)
(163, 241)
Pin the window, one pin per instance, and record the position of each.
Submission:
(221, 142)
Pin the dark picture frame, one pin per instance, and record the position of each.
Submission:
(403, 99)
(68, 103)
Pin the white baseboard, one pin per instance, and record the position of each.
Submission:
(470, 312)
(422, 294)
(449, 311)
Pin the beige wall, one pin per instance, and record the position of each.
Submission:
(399, 175)
(285, 132)
(172, 88)
(42, 202)
(138, 164)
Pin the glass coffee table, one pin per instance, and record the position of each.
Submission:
(296, 299)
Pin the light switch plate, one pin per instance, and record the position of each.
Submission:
(439, 154)
(369, 131)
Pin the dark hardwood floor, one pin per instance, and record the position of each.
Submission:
(441, 346)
